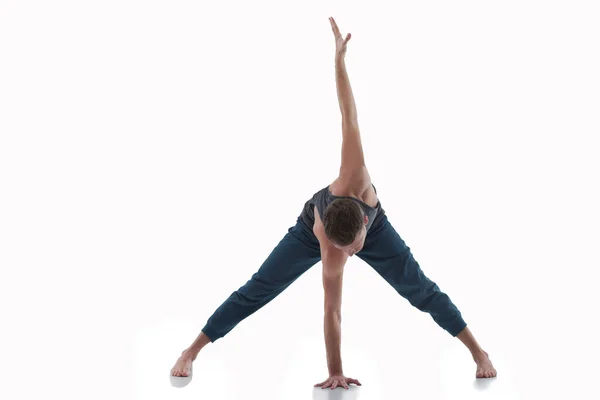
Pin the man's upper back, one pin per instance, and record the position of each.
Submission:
(366, 197)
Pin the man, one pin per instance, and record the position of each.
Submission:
(349, 220)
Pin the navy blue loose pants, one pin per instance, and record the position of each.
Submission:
(384, 250)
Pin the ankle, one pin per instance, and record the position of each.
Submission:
(190, 352)
(479, 353)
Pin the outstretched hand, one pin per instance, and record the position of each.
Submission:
(340, 42)
(337, 380)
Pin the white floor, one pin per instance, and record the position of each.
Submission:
(72, 347)
(417, 361)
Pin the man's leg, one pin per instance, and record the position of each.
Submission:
(297, 252)
(386, 252)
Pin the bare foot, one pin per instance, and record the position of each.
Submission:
(485, 369)
(183, 366)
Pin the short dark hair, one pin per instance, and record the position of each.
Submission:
(343, 219)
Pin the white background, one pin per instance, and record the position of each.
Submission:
(153, 153)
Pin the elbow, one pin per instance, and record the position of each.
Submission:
(333, 313)
(350, 122)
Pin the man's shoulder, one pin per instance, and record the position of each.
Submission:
(354, 183)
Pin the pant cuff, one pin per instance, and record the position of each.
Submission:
(211, 333)
(457, 327)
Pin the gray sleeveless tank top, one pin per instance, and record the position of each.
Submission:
(323, 198)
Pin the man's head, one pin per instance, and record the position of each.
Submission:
(345, 225)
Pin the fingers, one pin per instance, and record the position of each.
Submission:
(338, 35)
(334, 27)
(335, 382)
(325, 384)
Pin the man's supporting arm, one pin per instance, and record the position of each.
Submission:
(333, 267)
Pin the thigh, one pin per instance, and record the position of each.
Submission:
(387, 253)
(295, 253)
(384, 248)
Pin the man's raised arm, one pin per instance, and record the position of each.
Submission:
(353, 159)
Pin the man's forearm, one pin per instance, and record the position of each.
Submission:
(333, 336)
(344, 91)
